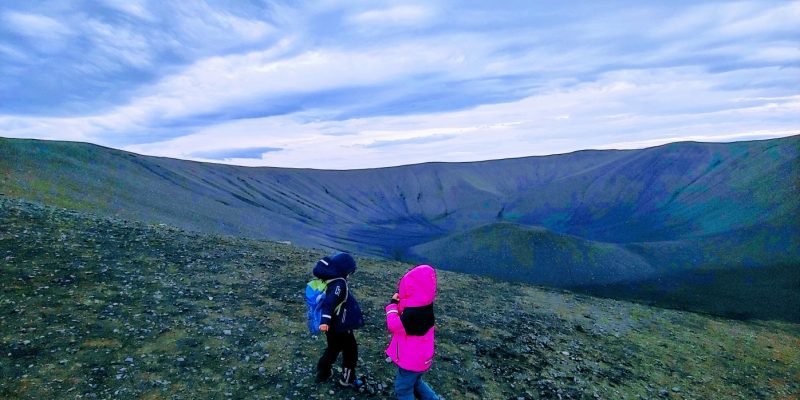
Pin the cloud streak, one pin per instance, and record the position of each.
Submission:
(230, 154)
(409, 141)
(446, 83)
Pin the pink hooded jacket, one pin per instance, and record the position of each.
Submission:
(410, 350)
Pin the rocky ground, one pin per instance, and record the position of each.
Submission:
(112, 309)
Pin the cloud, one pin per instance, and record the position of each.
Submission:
(230, 154)
(35, 26)
(401, 15)
(361, 80)
(408, 141)
(619, 107)
(135, 8)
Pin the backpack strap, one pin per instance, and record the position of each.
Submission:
(338, 308)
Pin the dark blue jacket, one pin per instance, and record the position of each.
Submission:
(335, 270)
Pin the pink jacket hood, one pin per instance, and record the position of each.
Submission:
(411, 350)
(417, 287)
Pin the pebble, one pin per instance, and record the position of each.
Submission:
(227, 332)
(676, 389)
(129, 360)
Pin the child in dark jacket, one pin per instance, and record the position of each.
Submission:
(410, 319)
(341, 314)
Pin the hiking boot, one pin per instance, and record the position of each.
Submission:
(355, 384)
(349, 379)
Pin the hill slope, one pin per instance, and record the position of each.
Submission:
(535, 255)
(691, 274)
(105, 308)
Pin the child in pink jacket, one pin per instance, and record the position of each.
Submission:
(410, 319)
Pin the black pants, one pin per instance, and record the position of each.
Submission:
(344, 342)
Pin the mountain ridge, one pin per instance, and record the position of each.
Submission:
(676, 193)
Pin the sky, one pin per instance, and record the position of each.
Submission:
(362, 84)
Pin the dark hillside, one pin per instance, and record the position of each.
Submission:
(92, 307)
(535, 255)
(688, 274)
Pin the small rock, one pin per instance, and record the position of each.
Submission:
(227, 332)
(676, 389)
(565, 353)
(129, 360)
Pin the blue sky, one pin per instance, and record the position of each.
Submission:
(359, 84)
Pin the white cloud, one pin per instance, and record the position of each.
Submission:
(397, 15)
(136, 8)
(201, 25)
(118, 45)
(11, 53)
(625, 109)
(526, 88)
(747, 20)
(35, 26)
(220, 82)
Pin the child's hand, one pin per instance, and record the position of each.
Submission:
(395, 299)
(323, 328)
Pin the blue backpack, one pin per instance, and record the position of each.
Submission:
(315, 296)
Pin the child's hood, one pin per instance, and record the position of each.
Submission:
(338, 266)
(418, 287)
